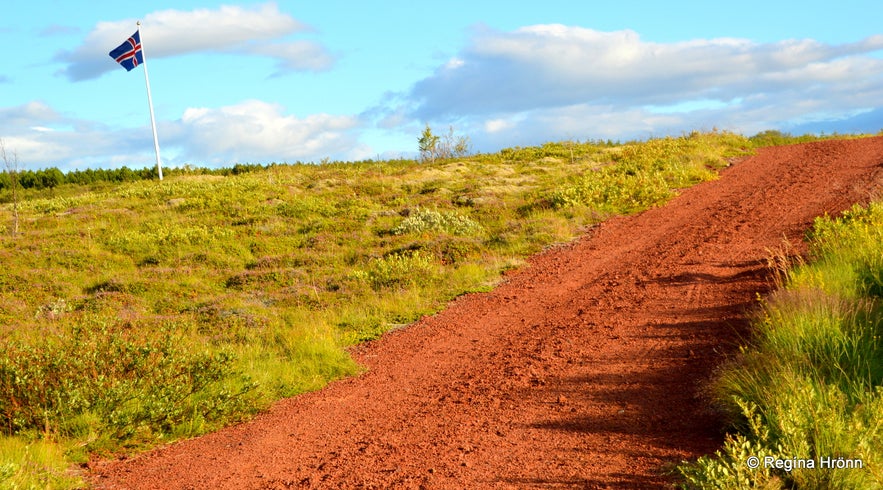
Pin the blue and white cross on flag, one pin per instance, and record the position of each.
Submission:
(129, 53)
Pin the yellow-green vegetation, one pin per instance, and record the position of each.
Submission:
(27, 464)
(808, 392)
(133, 313)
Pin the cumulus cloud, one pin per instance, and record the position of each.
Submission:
(228, 29)
(555, 65)
(251, 131)
(566, 81)
(26, 115)
(42, 137)
(255, 130)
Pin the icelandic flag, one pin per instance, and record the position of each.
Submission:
(129, 54)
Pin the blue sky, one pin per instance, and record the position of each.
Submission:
(301, 81)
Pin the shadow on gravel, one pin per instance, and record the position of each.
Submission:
(651, 397)
(756, 272)
(653, 408)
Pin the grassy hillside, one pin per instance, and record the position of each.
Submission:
(140, 312)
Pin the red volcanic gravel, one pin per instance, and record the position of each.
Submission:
(583, 370)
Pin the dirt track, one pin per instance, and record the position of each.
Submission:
(581, 371)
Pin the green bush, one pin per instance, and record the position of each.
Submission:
(424, 220)
(99, 378)
(399, 269)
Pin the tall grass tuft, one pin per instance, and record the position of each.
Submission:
(30, 464)
(810, 385)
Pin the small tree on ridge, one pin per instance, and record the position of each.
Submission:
(433, 147)
(11, 165)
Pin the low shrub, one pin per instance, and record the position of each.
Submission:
(425, 220)
(100, 378)
(398, 269)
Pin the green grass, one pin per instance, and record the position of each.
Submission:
(778, 138)
(136, 313)
(810, 385)
(36, 464)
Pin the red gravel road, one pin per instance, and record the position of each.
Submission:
(580, 371)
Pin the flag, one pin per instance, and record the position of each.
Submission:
(129, 53)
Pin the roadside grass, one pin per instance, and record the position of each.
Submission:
(810, 384)
(27, 464)
(137, 313)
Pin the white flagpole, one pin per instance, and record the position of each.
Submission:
(150, 103)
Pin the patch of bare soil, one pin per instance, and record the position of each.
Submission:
(581, 371)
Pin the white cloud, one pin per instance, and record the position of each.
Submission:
(251, 131)
(43, 137)
(579, 122)
(547, 82)
(25, 115)
(497, 125)
(259, 131)
(453, 64)
(228, 29)
(555, 66)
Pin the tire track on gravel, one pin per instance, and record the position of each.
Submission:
(581, 371)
